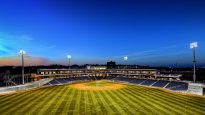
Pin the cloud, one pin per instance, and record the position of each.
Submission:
(3, 49)
(42, 48)
(16, 61)
(25, 38)
(14, 37)
(149, 53)
(10, 44)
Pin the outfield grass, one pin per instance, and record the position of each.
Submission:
(99, 83)
(129, 100)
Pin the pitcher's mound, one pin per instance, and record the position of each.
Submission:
(98, 85)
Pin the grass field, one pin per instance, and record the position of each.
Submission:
(128, 100)
(98, 83)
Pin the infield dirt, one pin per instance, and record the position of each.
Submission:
(83, 86)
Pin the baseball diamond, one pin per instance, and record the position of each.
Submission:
(84, 98)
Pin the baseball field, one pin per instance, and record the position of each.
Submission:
(100, 97)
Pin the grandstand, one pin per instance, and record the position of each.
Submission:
(143, 77)
(60, 81)
(170, 85)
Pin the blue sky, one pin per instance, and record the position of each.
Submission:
(149, 32)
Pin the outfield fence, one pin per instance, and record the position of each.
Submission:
(35, 84)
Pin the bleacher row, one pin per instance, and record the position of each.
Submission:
(59, 81)
(171, 85)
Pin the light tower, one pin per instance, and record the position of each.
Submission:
(69, 58)
(125, 59)
(194, 46)
(22, 53)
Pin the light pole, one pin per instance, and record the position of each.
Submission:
(69, 58)
(22, 53)
(125, 59)
(194, 46)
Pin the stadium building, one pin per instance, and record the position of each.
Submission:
(97, 72)
(103, 72)
(145, 77)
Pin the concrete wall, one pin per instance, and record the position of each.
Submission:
(24, 87)
(196, 88)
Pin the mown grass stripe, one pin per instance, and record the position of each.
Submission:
(102, 107)
(185, 98)
(48, 101)
(16, 101)
(95, 102)
(199, 100)
(87, 104)
(170, 107)
(154, 106)
(128, 105)
(61, 107)
(69, 100)
(83, 103)
(90, 97)
(6, 97)
(55, 102)
(183, 104)
(131, 100)
(114, 105)
(16, 97)
(179, 101)
(61, 102)
(78, 103)
(26, 105)
(156, 97)
(143, 105)
(33, 104)
(72, 103)
(182, 107)
(42, 100)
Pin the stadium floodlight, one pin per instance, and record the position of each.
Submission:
(22, 53)
(125, 58)
(69, 58)
(193, 46)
